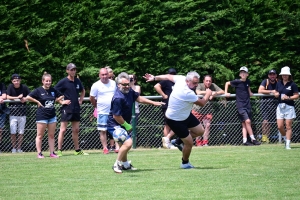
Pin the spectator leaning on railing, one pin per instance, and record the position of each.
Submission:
(17, 118)
(286, 91)
(2, 110)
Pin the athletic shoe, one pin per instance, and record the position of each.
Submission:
(128, 168)
(111, 149)
(165, 142)
(117, 168)
(53, 155)
(198, 142)
(14, 151)
(59, 153)
(179, 146)
(265, 139)
(187, 166)
(287, 147)
(255, 142)
(205, 143)
(171, 146)
(80, 153)
(248, 144)
(40, 155)
(105, 151)
(20, 151)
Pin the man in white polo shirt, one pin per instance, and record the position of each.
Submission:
(179, 117)
(101, 95)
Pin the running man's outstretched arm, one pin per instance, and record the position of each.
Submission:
(150, 77)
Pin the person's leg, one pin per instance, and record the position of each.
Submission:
(51, 140)
(265, 131)
(40, 129)
(103, 140)
(75, 133)
(288, 126)
(187, 147)
(13, 122)
(102, 127)
(21, 124)
(62, 131)
(206, 122)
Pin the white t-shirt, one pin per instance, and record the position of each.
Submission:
(181, 100)
(103, 94)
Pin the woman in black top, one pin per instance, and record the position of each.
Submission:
(286, 91)
(45, 97)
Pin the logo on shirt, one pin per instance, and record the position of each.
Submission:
(0, 92)
(77, 87)
(52, 93)
(49, 104)
(289, 88)
(43, 94)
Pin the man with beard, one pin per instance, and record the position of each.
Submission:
(205, 114)
(179, 117)
(269, 103)
(120, 116)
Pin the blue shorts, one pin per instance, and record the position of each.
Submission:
(47, 121)
(102, 122)
(110, 130)
(2, 120)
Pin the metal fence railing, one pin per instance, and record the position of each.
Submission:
(225, 127)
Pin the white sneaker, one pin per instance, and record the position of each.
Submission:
(20, 151)
(187, 166)
(171, 146)
(14, 151)
(117, 168)
(165, 142)
(287, 147)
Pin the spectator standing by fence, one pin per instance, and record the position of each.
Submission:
(179, 117)
(45, 98)
(243, 93)
(164, 88)
(70, 87)
(268, 103)
(2, 110)
(205, 114)
(17, 118)
(286, 91)
(134, 85)
(120, 115)
(101, 95)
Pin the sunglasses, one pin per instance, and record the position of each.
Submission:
(112, 77)
(131, 79)
(124, 84)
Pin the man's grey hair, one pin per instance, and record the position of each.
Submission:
(122, 75)
(191, 75)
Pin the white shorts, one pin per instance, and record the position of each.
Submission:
(17, 123)
(285, 111)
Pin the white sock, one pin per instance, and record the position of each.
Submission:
(288, 142)
(244, 140)
(126, 164)
(118, 162)
(252, 137)
(284, 138)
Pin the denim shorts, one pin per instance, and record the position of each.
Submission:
(2, 120)
(47, 121)
(102, 122)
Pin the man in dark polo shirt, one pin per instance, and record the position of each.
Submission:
(70, 87)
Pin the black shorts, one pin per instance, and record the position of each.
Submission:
(70, 117)
(164, 113)
(181, 128)
(244, 114)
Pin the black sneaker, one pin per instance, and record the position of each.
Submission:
(255, 142)
(179, 146)
(128, 168)
(248, 144)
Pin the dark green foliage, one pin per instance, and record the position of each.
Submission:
(209, 36)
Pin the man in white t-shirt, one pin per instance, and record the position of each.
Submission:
(101, 95)
(179, 117)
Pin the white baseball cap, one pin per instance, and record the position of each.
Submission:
(244, 69)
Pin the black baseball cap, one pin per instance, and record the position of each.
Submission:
(272, 71)
(15, 76)
(172, 71)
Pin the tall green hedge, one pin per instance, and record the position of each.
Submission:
(210, 36)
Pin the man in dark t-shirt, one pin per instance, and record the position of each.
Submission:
(2, 110)
(243, 93)
(268, 103)
(120, 115)
(164, 88)
(70, 87)
(17, 118)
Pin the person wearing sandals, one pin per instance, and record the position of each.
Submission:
(45, 98)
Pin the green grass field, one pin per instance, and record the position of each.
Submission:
(227, 172)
